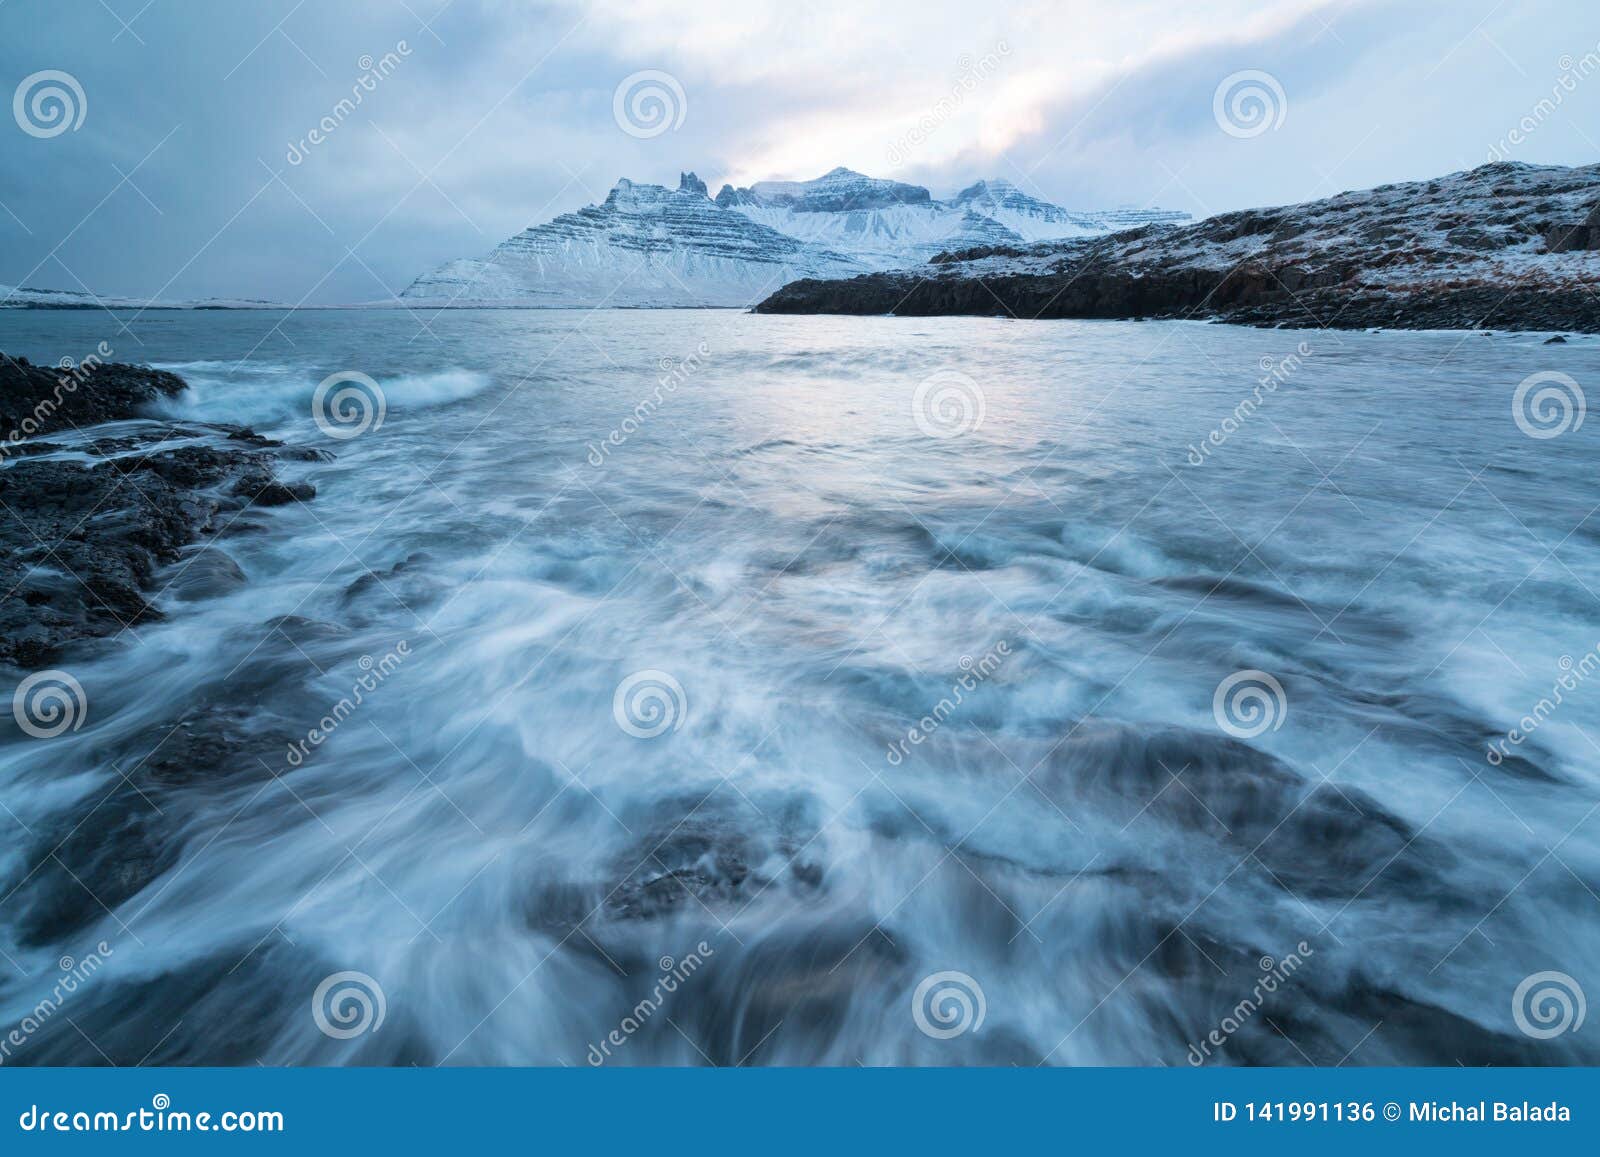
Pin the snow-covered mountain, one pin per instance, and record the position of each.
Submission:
(647, 245)
(1038, 220)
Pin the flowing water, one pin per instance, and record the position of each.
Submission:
(669, 688)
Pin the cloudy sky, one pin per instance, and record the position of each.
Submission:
(191, 172)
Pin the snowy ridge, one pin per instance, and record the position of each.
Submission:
(889, 224)
(27, 297)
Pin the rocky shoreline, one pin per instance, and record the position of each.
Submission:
(1505, 246)
(95, 499)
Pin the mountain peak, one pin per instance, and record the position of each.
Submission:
(991, 187)
(838, 190)
(689, 183)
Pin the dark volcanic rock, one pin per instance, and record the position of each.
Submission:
(34, 400)
(81, 543)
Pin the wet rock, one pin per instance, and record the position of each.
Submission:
(715, 855)
(82, 544)
(206, 573)
(120, 839)
(34, 400)
(787, 998)
(262, 489)
(406, 583)
(1313, 840)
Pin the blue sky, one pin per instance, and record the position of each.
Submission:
(498, 114)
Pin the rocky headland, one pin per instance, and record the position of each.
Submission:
(1504, 246)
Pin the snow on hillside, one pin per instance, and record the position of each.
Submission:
(888, 224)
(1505, 245)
